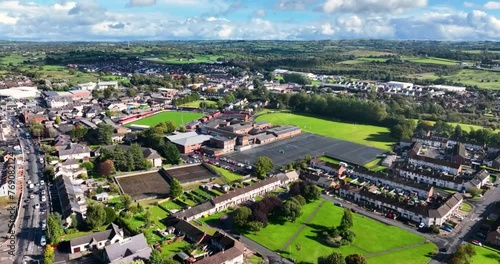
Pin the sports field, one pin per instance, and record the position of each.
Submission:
(378, 242)
(179, 118)
(368, 135)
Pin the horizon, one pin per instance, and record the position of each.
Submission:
(287, 20)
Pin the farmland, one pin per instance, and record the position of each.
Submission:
(430, 60)
(368, 242)
(373, 136)
(196, 104)
(179, 118)
(482, 78)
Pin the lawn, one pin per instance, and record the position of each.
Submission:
(374, 136)
(68, 237)
(371, 238)
(178, 118)
(197, 103)
(229, 176)
(374, 165)
(486, 255)
(330, 160)
(171, 205)
(465, 207)
(170, 249)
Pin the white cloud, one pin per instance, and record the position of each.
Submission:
(470, 5)
(136, 3)
(261, 12)
(6, 19)
(326, 29)
(492, 5)
(371, 6)
(292, 5)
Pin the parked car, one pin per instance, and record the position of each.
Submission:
(338, 204)
(421, 225)
(44, 224)
(43, 242)
(477, 243)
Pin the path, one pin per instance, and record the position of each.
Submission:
(302, 226)
(395, 249)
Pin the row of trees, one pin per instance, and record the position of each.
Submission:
(479, 136)
(186, 99)
(338, 258)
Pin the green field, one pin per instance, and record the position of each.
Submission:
(229, 176)
(180, 60)
(486, 255)
(372, 238)
(197, 103)
(430, 60)
(373, 136)
(465, 127)
(482, 78)
(179, 118)
(366, 53)
(363, 60)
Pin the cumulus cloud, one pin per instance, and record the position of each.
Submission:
(137, 3)
(371, 6)
(491, 5)
(261, 12)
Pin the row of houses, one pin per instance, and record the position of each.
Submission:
(237, 196)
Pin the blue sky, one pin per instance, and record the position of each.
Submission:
(114, 20)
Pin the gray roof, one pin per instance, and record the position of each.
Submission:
(130, 249)
(70, 162)
(74, 149)
(189, 140)
(71, 197)
(98, 236)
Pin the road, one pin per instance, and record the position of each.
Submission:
(30, 231)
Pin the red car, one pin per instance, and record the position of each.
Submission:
(477, 243)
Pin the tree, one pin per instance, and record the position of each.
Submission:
(463, 254)
(170, 126)
(255, 226)
(79, 132)
(262, 166)
(96, 215)
(126, 201)
(58, 120)
(48, 255)
(131, 92)
(89, 166)
(346, 222)
(54, 229)
(292, 210)
(474, 191)
(175, 189)
(157, 258)
(311, 193)
(334, 258)
(107, 168)
(104, 134)
(241, 216)
(110, 215)
(107, 93)
(172, 154)
(355, 259)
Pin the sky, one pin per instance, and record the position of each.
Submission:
(129, 20)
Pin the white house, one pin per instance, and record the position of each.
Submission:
(400, 85)
(431, 177)
(436, 164)
(113, 234)
(104, 85)
(90, 86)
(128, 250)
(73, 151)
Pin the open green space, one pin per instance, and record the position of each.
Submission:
(196, 59)
(229, 176)
(197, 103)
(374, 136)
(484, 79)
(375, 165)
(465, 127)
(179, 118)
(373, 238)
(363, 60)
(366, 53)
(486, 255)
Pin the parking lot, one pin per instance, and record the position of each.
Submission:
(285, 151)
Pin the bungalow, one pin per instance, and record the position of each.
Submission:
(113, 234)
(102, 196)
(128, 250)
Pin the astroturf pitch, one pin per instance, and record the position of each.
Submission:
(285, 151)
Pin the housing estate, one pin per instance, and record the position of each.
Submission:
(128, 250)
(150, 154)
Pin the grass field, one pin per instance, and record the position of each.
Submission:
(197, 59)
(482, 78)
(363, 60)
(465, 127)
(430, 60)
(486, 255)
(179, 118)
(197, 103)
(229, 176)
(373, 136)
(366, 53)
(371, 238)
